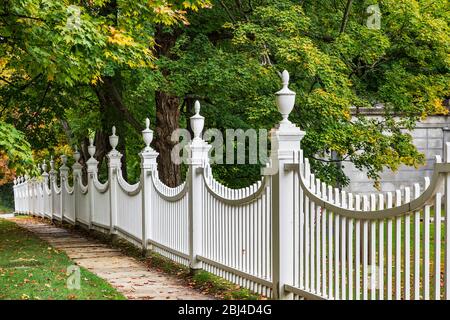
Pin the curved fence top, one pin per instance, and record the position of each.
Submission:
(306, 177)
(101, 187)
(130, 189)
(233, 196)
(166, 192)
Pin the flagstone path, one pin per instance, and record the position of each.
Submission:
(130, 276)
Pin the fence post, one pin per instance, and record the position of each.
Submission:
(92, 173)
(28, 192)
(114, 164)
(285, 141)
(40, 200)
(44, 186)
(447, 226)
(15, 194)
(19, 194)
(198, 155)
(63, 173)
(30, 195)
(148, 165)
(76, 171)
(52, 175)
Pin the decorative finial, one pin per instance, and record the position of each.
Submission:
(113, 139)
(44, 167)
(197, 107)
(285, 78)
(147, 135)
(197, 121)
(285, 98)
(91, 147)
(76, 154)
(64, 159)
(52, 163)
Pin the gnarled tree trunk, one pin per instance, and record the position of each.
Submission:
(167, 114)
(113, 114)
(167, 120)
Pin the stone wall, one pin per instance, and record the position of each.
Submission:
(429, 137)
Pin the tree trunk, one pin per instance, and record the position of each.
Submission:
(167, 120)
(112, 111)
(167, 115)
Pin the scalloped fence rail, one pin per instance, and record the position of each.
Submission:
(288, 236)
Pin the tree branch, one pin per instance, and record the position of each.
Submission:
(227, 11)
(345, 17)
(331, 160)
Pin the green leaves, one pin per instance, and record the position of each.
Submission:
(228, 56)
(15, 153)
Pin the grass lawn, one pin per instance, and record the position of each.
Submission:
(31, 269)
(5, 209)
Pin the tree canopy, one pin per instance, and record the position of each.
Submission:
(70, 66)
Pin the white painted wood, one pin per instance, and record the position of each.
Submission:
(318, 240)
(350, 248)
(416, 279)
(407, 253)
(337, 200)
(330, 246)
(447, 226)
(389, 257)
(426, 248)
(343, 244)
(365, 249)
(312, 220)
(373, 250)
(380, 263)
(398, 244)
(324, 215)
(358, 250)
(437, 246)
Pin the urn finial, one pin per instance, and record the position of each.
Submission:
(113, 139)
(197, 121)
(76, 154)
(285, 98)
(64, 159)
(91, 148)
(147, 135)
(197, 107)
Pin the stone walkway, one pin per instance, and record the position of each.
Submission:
(130, 276)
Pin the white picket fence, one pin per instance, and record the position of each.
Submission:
(288, 236)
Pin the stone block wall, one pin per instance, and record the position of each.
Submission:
(429, 136)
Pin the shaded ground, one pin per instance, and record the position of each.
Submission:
(128, 275)
(31, 269)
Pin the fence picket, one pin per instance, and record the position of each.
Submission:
(381, 250)
(407, 262)
(426, 248)
(389, 257)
